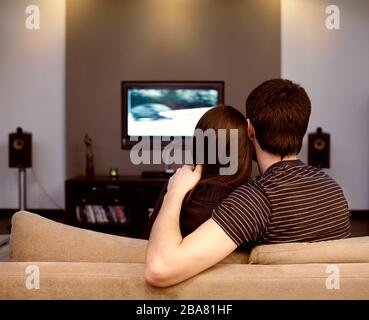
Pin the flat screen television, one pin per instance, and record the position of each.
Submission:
(165, 108)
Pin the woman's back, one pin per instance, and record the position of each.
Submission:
(196, 210)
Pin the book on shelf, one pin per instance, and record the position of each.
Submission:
(92, 215)
(120, 214)
(103, 214)
(79, 214)
(112, 214)
(98, 214)
(88, 215)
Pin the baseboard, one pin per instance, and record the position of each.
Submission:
(359, 214)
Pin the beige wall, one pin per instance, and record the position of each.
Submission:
(108, 41)
(333, 65)
(32, 95)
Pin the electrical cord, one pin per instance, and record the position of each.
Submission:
(44, 190)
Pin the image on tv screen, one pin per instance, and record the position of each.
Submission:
(167, 112)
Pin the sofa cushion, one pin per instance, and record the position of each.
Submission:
(34, 238)
(351, 250)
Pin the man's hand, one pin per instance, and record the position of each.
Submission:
(185, 179)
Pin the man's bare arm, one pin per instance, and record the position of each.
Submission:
(171, 259)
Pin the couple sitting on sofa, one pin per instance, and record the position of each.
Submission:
(202, 216)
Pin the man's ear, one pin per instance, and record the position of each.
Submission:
(250, 130)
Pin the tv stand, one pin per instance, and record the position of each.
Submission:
(104, 199)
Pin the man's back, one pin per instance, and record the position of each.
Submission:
(291, 202)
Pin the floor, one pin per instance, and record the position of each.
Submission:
(4, 248)
(4, 253)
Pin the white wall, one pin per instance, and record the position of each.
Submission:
(333, 66)
(32, 95)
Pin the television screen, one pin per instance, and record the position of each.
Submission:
(167, 108)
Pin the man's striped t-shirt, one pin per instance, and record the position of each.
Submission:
(291, 202)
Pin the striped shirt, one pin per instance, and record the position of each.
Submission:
(291, 202)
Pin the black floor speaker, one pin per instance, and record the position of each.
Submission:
(319, 149)
(20, 149)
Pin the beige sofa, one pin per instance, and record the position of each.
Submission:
(81, 264)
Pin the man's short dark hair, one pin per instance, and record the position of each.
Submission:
(279, 110)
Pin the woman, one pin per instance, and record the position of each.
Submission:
(213, 187)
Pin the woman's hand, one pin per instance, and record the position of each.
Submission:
(184, 180)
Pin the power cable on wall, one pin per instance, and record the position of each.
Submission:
(44, 190)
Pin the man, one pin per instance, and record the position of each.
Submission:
(289, 202)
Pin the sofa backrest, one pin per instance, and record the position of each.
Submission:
(34, 238)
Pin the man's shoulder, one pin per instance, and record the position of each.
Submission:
(251, 190)
(300, 181)
(253, 184)
(285, 173)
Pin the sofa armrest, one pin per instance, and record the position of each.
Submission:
(34, 238)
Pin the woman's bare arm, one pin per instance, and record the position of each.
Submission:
(171, 259)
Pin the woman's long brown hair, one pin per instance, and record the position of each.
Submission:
(225, 117)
